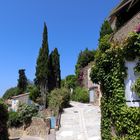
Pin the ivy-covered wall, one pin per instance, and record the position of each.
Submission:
(118, 122)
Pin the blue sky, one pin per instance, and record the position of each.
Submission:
(73, 25)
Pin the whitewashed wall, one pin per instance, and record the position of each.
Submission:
(15, 104)
(131, 97)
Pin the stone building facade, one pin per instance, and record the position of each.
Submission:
(130, 26)
(125, 18)
(94, 89)
(86, 82)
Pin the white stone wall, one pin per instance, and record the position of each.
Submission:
(131, 96)
(15, 104)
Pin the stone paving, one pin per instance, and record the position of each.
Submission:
(80, 122)
(52, 135)
(31, 138)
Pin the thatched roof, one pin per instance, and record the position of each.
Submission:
(124, 3)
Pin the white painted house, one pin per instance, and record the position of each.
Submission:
(22, 98)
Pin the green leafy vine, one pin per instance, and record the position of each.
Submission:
(118, 122)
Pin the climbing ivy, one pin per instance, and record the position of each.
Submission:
(136, 87)
(118, 121)
(137, 68)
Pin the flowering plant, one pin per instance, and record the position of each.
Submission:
(138, 29)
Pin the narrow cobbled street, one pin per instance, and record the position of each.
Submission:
(80, 122)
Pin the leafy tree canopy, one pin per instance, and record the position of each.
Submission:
(84, 58)
(13, 91)
(35, 94)
(70, 81)
(10, 92)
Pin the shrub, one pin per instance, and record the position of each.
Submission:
(80, 95)
(104, 43)
(3, 121)
(70, 81)
(58, 99)
(14, 119)
(26, 112)
(23, 116)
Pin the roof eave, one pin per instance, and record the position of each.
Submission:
(119, 7)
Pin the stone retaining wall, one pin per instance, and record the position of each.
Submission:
(38, 128)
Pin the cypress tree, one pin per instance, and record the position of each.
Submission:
(51, 76)
(55, 76)
(42, 67)
(56, 67)
(22, 81)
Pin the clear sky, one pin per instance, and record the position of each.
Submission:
(73, 25)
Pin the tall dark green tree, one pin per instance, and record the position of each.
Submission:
(105, 34)
(42, 67)
(3, 121)
(22, 81)
(51, 81)
(105, 29)
(56, 67)
(55, 76)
